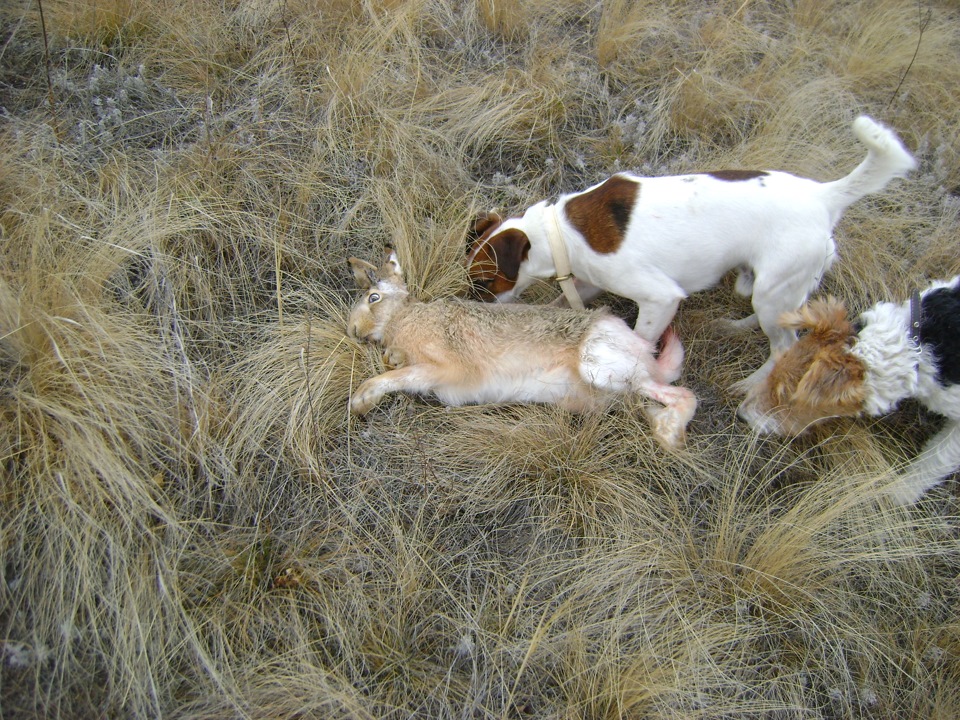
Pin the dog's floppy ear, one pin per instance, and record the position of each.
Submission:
(510, 248)
(364, 273)
(834, 383)
(823, 317)
(483, 222)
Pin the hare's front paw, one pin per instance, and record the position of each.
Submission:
(366, 397)
(394, 358)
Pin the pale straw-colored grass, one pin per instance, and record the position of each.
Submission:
(193, 524)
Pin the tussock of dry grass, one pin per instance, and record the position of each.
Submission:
(194, 526)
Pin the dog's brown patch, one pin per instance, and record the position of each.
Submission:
(737, 175)
(602, 215)
(817, 377)
(496, 265)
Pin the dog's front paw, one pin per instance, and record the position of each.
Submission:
(366, 397)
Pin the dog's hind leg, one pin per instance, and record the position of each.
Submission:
(939, 457)
(743, 286)
(778, 290)
(780, 339)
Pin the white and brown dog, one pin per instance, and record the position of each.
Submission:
(656, 240)
(842, 368)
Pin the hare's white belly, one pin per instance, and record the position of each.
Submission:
(552, 385)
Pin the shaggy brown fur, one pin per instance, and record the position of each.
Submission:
(817, 377)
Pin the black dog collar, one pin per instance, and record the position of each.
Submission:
(916, 315)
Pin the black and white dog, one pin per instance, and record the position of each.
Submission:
(893, 352)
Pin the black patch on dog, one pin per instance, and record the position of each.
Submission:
(602, 215)
(620, 211)
(940, 330)
(737, 175)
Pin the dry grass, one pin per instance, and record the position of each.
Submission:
(192, 525)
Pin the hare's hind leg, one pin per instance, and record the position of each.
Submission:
(669, 423)
(419, 379)
(616, 359)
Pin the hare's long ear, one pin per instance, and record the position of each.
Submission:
(364, 273)
(391, 270)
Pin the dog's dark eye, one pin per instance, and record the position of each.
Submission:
(373, 298)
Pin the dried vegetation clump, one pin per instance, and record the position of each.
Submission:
(193, 526)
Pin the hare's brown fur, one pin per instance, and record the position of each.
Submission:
(468, 352)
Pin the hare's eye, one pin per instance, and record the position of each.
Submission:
(373, 298)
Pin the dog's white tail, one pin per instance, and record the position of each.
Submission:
(886, 159)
